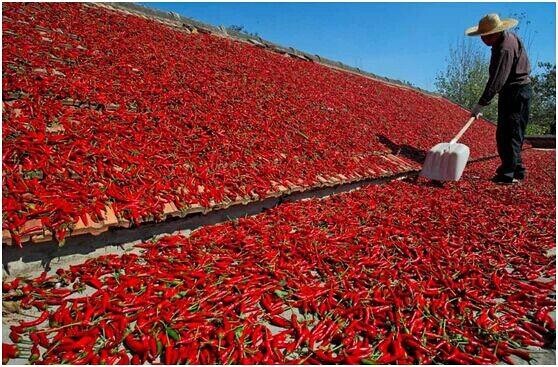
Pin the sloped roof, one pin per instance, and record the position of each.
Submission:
(178, 21)
(111, 117)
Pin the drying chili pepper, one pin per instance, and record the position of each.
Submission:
(94, 140)
(280, 321)
(9, 351)
(135, 345)
(26, 324)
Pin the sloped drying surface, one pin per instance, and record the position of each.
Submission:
(107, 109)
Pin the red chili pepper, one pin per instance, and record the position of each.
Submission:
(171, 355)
(104, 356)
(123, 358)
(280, 321)
(139, 347)
(412, 342)
(459, 357)
(69, 344)
(384, 347)
(9, 351)
(543, 316)
(93, 282)
(136, 360)
(44, 316)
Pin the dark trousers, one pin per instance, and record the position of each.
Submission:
(513, 115)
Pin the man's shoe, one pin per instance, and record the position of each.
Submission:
(519, 175)
(504, 180)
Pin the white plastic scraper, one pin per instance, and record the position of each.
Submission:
(446, 161)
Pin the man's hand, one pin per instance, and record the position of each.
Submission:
(476, 111)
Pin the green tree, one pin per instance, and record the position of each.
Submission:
(542, 119)
(465, 76)
(543, 103)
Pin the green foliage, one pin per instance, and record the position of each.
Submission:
(465, 76)
(535, 130)
(543, 104)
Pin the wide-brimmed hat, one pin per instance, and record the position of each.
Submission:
(491, 23)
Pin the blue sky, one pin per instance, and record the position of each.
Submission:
(406, 41)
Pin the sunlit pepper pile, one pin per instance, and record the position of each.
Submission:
(404, 272)
(104, 108)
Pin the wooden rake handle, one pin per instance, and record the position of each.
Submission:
(462, 131)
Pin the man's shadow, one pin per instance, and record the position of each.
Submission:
(414, 154)
(404, 150)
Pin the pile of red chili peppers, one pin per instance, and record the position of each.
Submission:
(398, 273)
(106, 108)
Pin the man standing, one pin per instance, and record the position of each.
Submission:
(509, 78)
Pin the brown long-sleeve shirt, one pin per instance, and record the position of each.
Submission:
(509, 65)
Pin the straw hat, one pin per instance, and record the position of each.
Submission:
(491, 23)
